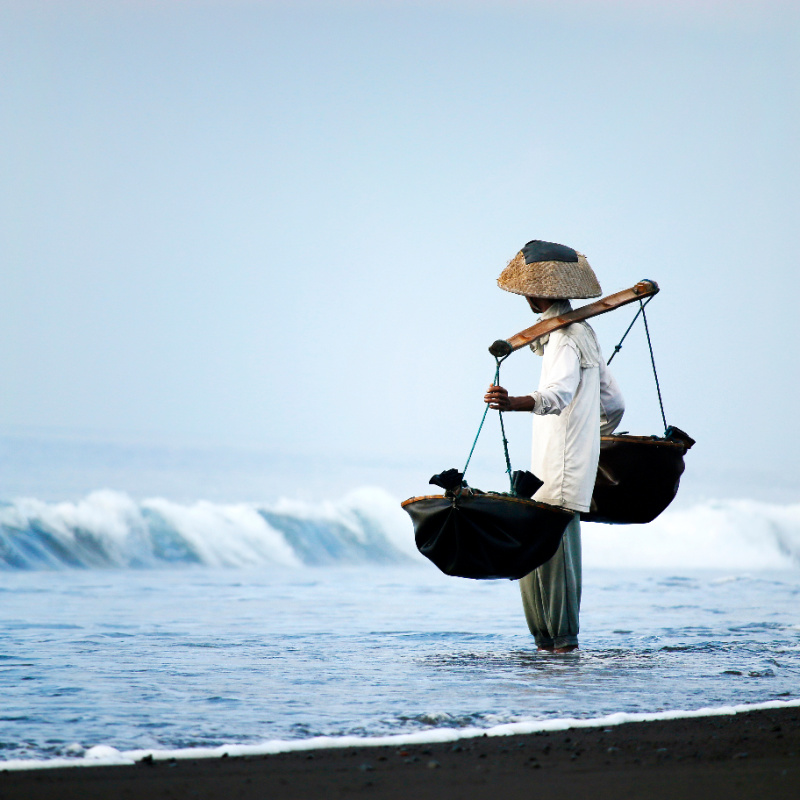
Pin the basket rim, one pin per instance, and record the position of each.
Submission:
(634, 439)
(497, 495)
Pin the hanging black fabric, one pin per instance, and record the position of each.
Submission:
(637, 477)
(486, 535)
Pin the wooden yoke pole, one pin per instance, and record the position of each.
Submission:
(504, 347)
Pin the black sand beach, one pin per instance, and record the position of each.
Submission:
(750, 755)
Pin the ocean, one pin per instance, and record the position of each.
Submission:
(154, 625)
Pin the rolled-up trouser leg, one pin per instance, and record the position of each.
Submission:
(551, 594)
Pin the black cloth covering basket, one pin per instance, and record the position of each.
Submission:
(486, 535)
(637, 477)
(474, 534)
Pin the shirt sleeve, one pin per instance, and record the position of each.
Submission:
(564, 375)
(612, 403)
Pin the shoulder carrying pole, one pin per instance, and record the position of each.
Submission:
(504, 347)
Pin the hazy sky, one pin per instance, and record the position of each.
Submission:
(280, 224)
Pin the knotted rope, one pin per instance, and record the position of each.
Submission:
(495, 382)
(652, 357)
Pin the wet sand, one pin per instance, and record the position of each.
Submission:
(751, 755)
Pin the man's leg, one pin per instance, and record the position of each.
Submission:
(551, 594)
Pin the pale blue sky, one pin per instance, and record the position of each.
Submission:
(279, 224)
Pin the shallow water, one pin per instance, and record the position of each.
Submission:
(200, 656)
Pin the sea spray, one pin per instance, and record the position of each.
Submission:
(110, 529)
(729, 534)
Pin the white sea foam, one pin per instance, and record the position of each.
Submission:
(730, 535)
(225, 535)
(109, 529)
(105, 755)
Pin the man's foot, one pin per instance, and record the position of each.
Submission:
(545, 650)
(568, 649)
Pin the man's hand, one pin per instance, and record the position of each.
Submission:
(497, 398)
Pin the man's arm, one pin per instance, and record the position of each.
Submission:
(497, 398)
(563, 373)
(563, 379)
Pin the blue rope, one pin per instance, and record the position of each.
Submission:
(652, 358)
(619, 346)
(483, 419)
(653, 362)
(495, 382)
(505, 450)
(480, 428)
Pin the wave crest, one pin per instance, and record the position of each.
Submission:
(109, 529)
(723, 534)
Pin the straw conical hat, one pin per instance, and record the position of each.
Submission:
(545, 269)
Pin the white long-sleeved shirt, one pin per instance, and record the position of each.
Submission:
(577, 399)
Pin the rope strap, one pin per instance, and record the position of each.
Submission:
(619, 346)
(495, 382)
(505, 450)
(650, 347)
(653, 362)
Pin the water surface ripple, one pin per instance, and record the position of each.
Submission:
(201, 657)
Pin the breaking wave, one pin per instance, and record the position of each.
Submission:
(724, 534)
(108, 529)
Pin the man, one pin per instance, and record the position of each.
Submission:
(577, 399)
